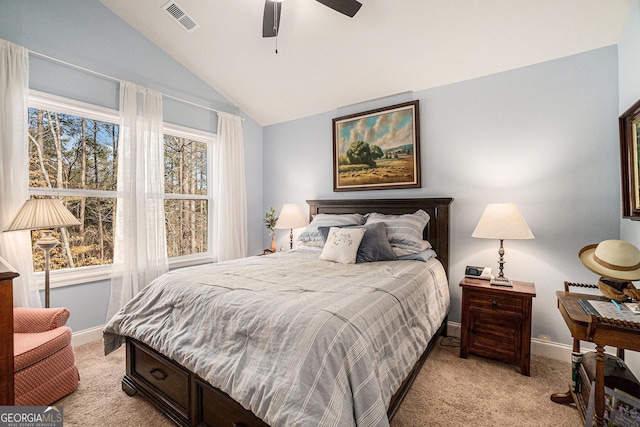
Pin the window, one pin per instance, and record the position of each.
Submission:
(72, 155)
(187, 200)
(73, 150)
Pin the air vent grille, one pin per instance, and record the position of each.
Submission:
(177, 13)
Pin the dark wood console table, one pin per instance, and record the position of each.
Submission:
(601, 331)
(6, 333)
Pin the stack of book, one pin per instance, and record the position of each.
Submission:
(620, 409)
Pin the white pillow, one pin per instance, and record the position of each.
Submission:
(342, 245)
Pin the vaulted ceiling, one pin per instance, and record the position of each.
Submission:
(327, 60)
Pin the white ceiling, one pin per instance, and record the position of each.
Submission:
(326, 60)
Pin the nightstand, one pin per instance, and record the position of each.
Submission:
(496, 321)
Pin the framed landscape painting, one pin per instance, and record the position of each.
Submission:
(629, 123)
(377, 149)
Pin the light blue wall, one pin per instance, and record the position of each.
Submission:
(543, 136)
(629, 93)
(87, 34)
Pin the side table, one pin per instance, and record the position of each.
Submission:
(602, 332)
(496, 321)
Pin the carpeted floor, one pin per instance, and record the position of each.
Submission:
(449, 391)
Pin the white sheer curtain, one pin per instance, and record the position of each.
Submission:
(230, 213)
(15, 246)
(140, 247)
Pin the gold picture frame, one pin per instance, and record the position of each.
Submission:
(377, 149)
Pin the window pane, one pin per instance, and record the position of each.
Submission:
(187, 226)
(185, 166)
(67, 151)
(90, 243)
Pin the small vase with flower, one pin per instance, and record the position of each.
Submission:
(270, 220)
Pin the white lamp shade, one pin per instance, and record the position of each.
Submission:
(38, 214)
(502, 221)
(291, 217)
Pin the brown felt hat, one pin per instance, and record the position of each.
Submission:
(615, 259)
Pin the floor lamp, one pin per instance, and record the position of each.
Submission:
(43, 214)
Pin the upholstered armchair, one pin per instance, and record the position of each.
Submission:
(44, 361)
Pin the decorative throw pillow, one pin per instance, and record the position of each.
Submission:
(375, 245)
(342, 244)
(311, 236)
(404, 231)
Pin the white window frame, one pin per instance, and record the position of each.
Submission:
(209, 139)
(82, 275)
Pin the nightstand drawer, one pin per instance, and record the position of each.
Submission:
(491, 301)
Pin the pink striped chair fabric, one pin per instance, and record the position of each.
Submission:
(44, 361)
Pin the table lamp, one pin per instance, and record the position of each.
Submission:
(43, 214)
(291, 217)
(502, 221)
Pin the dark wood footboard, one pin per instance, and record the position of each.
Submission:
(179, 393)
(190, 401)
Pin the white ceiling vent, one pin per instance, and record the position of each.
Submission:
(173, 9)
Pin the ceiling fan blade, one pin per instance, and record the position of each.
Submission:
(347, 7)
(270, 26)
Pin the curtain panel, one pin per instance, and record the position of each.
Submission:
(230, 214)
(15, 246)
(140, 248)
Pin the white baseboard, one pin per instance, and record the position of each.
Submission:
(546, 348)
(87, 335)
(551, 349)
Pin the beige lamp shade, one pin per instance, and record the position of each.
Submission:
(43, 214)
(291, 217)
(36, 214)
(502, 221)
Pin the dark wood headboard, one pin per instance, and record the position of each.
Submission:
(436, 231)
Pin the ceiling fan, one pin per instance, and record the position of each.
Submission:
(272, 9)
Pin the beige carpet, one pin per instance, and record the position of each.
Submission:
(449, 391)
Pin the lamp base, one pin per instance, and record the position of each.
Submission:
(501, 281)
(46, 243)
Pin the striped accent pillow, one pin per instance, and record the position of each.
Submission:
(311, 236)
(403, 231)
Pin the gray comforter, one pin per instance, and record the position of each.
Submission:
(296, 340)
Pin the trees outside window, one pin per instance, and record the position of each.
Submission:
(73, 151)
(72, 156)
(186, 204)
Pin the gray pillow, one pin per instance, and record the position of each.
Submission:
(404, 231)
(375, 245)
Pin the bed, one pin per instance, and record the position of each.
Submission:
(224, 376)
